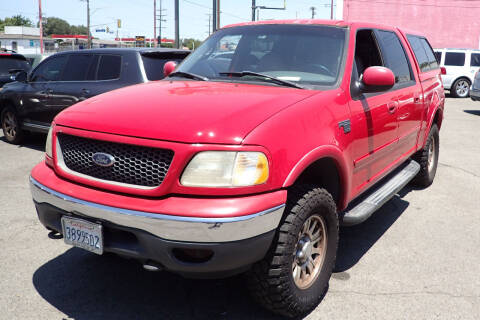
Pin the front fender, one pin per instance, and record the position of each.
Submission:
(321, 152)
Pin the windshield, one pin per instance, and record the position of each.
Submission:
(303, 54)
(9, 63)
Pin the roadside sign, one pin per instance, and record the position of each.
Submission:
(140, 41)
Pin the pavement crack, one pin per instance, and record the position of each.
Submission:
(458, 168)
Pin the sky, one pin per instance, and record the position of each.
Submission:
(137, 15)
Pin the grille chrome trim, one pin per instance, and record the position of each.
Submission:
(61, 164)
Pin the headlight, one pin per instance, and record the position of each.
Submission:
(48, 144)
(226, 169)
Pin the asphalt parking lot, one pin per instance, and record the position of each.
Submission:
(416, 258)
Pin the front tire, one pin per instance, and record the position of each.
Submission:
(11, 126)
(461, 88)
(428, 159)
(293, 278)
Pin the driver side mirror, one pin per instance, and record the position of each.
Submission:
(377, 79)
(21, 76)
(169, 67)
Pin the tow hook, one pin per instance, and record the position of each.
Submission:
(55, 235)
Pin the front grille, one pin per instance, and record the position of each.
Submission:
(134, 165)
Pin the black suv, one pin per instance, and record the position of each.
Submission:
(11, 63)
(66, 78)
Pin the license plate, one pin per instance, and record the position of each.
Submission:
(83, 234)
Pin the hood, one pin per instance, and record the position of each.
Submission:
(182, 111)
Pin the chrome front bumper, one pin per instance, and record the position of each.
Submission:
(177, 228)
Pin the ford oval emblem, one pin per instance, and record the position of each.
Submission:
(103, 159)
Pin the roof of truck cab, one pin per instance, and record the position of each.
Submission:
(125, 50)
(336, 23)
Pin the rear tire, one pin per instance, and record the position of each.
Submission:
(460, 88)
(11, 126)
(428, 159)
(293, 277)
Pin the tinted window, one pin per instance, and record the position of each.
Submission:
(109, 67)
(394, 56)
(475, 60)
(419, 51)
(92, 69)
(8, 63)
(153, 64)
(50, 70)
(454, 59)
(433, 62)
(438, 56)
(77, 67)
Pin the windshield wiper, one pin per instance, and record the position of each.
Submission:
(263, 76)
(188, 75)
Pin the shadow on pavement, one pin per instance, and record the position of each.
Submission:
(474, 112)
(357, 240)
(35, 141)
(85, 286)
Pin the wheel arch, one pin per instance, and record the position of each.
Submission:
(324, 166)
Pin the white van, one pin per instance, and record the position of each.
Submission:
(461, 66)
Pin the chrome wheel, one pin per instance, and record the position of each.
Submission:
(10, 125)
(431, 155)
(462, 88)
(309, 252)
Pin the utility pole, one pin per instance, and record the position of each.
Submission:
(160, 20)
(177, 25)
(218, 14)
(313, 12)
(155, 23)
(214, 14)
(254, 7)
(331, 10)
(209, 25)
(89, 37)
(40, 24)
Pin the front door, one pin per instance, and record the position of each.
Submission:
(37, 105)
(373, 116)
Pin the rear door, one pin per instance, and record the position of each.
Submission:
(407, 90)
(474, 64)
(430, 79)
(454, 63)
(85, 76)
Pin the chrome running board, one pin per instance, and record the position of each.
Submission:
(362, 209)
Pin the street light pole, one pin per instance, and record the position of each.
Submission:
(331, 10)
(254, 7)
(155, 23)
(214, 12)
(40, 24)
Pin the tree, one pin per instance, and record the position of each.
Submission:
(17, 20)
(54, 25)
(191, 43)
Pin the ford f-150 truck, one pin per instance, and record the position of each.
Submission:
(249, 155)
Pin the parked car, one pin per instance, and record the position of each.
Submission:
(460, 65)
(63, 79)
(475, 89)
(10, 64)
(35, 58)
(251, 165)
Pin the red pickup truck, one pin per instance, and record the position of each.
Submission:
(249, 156)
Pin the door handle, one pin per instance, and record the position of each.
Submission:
(49, 90)
(392, 107)
(85, 91)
